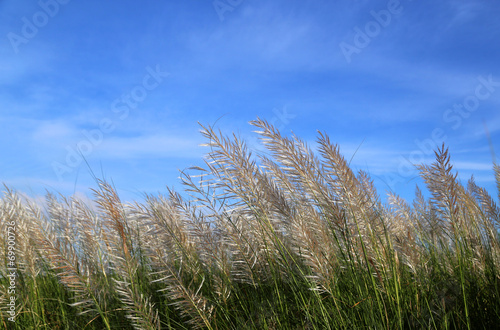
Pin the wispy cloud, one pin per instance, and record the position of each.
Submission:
(50, 131)
(157, 146)
(475, 166)
(464, 11)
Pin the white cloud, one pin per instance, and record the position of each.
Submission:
(464, 11)
(475, 166)
(161, 146)
(49, 131)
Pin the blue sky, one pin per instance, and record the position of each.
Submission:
(127, 82)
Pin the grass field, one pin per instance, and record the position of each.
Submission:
(289, 240)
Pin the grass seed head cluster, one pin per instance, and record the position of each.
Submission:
(287, 239)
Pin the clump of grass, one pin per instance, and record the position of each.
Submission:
(288, 239)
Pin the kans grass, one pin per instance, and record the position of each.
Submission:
(287, 239)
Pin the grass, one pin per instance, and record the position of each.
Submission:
(287, 239)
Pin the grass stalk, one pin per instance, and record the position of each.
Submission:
(286, 238)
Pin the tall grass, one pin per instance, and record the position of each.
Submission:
(285, 239)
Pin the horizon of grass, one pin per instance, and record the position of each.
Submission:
(290, 239)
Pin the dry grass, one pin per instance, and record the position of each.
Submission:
(287, 239)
